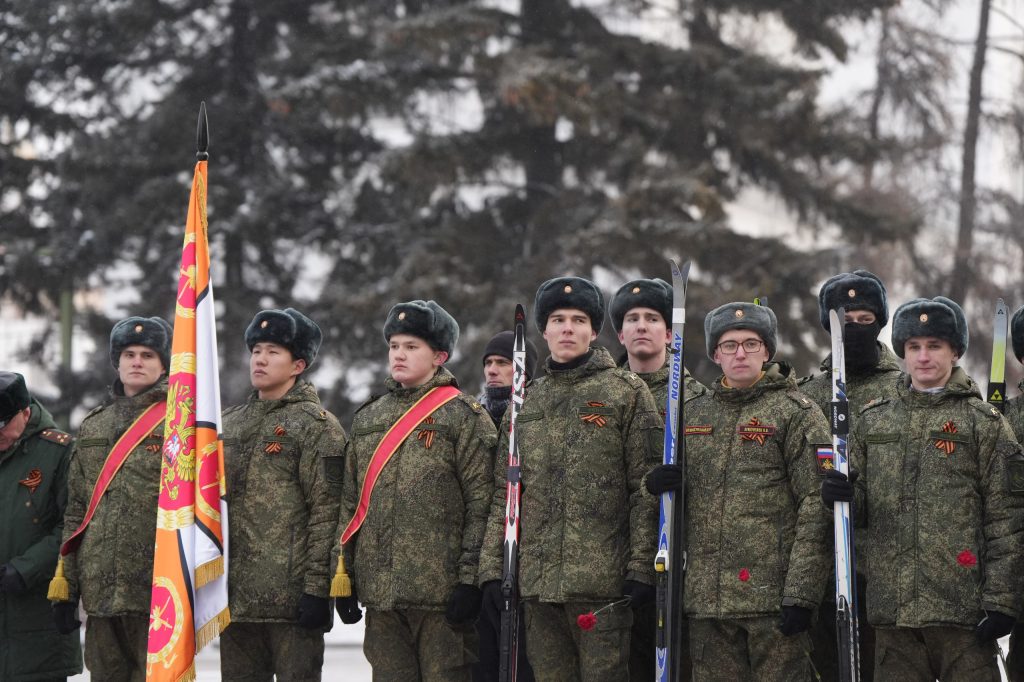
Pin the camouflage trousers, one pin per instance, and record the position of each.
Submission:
(560, 651)
(748, 649)
(116, 648)
(252, 652)
(944, 653)
(642, 664)
(418, 646)
(1015, 658)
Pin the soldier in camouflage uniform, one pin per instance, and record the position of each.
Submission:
(283, 455)
(112, 569)
(1014, 412)
(587, 432)
(34, 458)
(758, 544)
(872, 371)
(942, 496)
(640, 312)
(414, 557)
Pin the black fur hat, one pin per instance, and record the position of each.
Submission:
(569, 292)
(426, 320)
(655, 294)
(13, 396)
(857, 290)
(741, 315)
(151, 332)
(938, 317)
(502, 344)
(288, 328)
(1017, 333)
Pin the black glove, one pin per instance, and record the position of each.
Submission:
(993, 626)
(836, 487)
(463, 605)
(314, 612)
(10, 580)
(664, 478)
(794, 620)
(65, 617)
(640, 594)
(348, 609)
(492, 595)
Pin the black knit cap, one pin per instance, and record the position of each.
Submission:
(857, 290)
(741, 315)
(287, 328)
(569, 292)
(655, 294)
(425, 320)
(151, 332)
(937, 317)
(13, 396)
(502, 344)
(1017, 333)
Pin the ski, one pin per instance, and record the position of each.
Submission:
(509, 648)
(670, 561)
(996, 395)
(847, 631)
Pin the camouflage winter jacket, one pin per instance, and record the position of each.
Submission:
(758, 536)
(879, 382)
(112, 570)
(657, 384)
(586, 437)
(943, 478)
(1014, 412)
(283, 460)
(422, 533)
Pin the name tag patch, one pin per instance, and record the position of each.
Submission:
(699, 430)
(754, 430)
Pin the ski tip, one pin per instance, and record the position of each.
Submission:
(678, 271)
(520, 315)
(1001, 308)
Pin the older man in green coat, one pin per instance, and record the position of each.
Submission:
(34, 457)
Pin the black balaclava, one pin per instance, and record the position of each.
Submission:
(860, 341)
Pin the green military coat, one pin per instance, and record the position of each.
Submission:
(284, 470)
(33, 494)
(112, 569)
(421, 536)
(587, 436)
(942, 496)
(757, 533)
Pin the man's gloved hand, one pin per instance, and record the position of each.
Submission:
(492, 595)
(836, 487)
(640, 594)
(664, 478)
(993, 626)
(314, 612)
(348, 609)
(11, 580)
(464, 605)
(794, 620)
(65, 617)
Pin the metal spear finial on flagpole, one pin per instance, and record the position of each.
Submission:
(202, 134)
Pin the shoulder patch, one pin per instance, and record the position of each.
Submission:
(55, 436)
(986, 409)
(630, 377)
(315, 411)
(472, 403)
(873, 403)
(94, 411)
(803, 380)
(369, 401)
(800, 399)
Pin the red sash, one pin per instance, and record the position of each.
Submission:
(128, 441)
(389, 444)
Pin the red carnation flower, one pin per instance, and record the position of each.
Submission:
(744, 575)
(586, 621)
(967, 559)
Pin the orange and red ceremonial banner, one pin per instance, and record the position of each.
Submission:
(189, 605)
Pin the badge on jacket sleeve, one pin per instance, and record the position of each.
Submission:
(825, 459)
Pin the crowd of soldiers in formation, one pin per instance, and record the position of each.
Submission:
(936, 483)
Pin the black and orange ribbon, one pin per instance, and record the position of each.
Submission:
(427, 435)
(32, 481)
(943, 444)
(592, 417)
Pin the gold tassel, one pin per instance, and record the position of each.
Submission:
(341, 585)
(209, 571)
(211, 630)
(189, 675)
(59, 588)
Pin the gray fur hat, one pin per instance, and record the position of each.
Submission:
(857, 290)
(151, 332)
(569, 292)
(426, 320)
(655, 294)
(938, 317)
(288, 328)
(1017, 333)
(741, 315)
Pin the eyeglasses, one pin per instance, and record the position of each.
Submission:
(749, 346)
